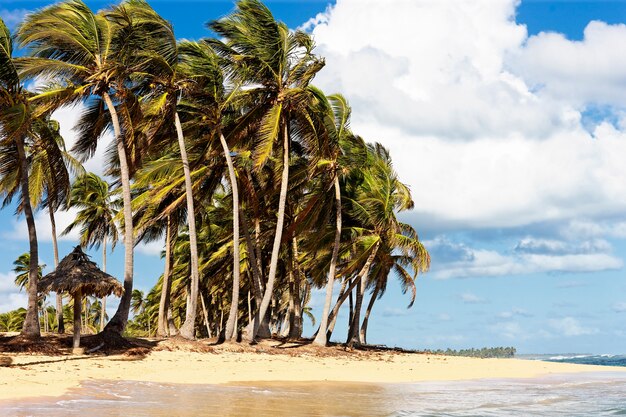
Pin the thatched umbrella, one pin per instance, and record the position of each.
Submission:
(79, 276)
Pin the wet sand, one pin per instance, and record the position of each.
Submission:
(581, 394)
(35, 376)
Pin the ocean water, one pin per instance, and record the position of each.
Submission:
(604, 360)
(601, 394)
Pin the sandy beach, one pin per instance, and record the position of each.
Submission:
(38, 375)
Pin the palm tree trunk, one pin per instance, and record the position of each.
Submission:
(188, 329)
(77, 319)
(351, 313)
(332, 318)
(353, 333)
(249, 307)
(206, 316)
(289, 318)
(55, 250)
(320, 339)
(234, 305)
(255, 266)
(119, 320)
(103, 312)
(171, 326)
(30, 328)
(368, 311)
(166, 287)
(279, 232)
(295, 317)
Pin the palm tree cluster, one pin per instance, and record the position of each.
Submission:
(224, 148)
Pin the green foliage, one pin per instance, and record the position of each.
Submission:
(12, 321)
(494, 352)
(253, 88)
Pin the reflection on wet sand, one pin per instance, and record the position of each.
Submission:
(581, 395)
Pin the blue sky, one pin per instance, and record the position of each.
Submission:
(507, 119)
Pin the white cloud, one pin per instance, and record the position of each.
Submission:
(10, 296)
(153, 248)
(68, 117)
(587, 71)
(469, 298)
(510, 330)
(569, 326)
(586, 229)
(19, 229)
(446, 87)
(491, 263)
(530, 245)
(12, 17)
(457, 260)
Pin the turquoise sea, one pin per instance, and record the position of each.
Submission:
(605, 360)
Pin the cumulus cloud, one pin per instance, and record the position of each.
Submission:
(569, 326)
(473, 112)
(528, 256)
(530, 245)
(587, 71)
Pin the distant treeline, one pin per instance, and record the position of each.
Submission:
(494, 352)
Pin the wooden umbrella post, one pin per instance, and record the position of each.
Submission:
(77, 320)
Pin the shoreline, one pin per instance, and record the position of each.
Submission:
(52, 376)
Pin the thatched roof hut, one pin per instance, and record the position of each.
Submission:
(79, 276)
(77, 272)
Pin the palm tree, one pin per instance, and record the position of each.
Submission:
(277, 66)
(379, 196)
(97, 211)
(337, 139)
(206, 105)
(164, 87)
(21, 266)
(15, 127)
(50, 166)
(92, 57)
(12, 321)
(50, 176)
(138, 304)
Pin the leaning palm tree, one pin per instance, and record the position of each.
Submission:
(337, 147)
(91, 57)
(206, 105)
(379, 196)
(277, 65)
(95, 217)
(166, 84)
(16, 119)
